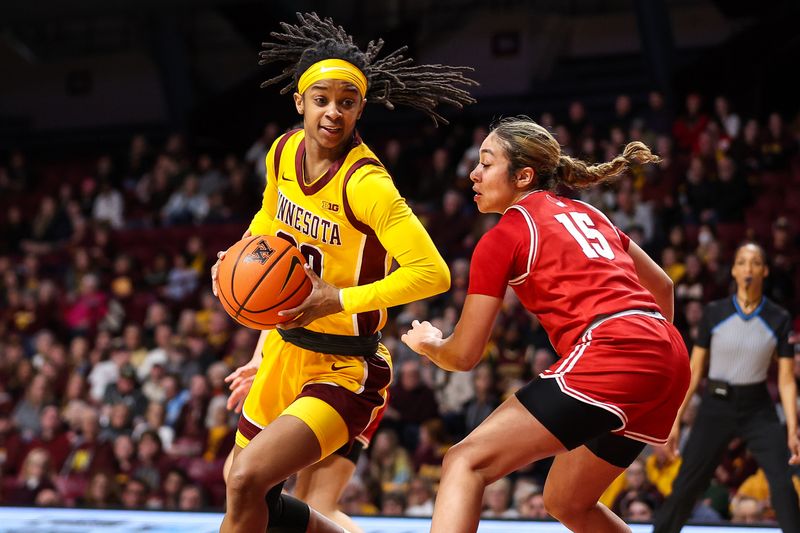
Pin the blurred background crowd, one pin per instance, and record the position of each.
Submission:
(113, 350)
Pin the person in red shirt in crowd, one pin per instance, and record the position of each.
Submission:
(687, 127)
(606, 306)
(52, 437)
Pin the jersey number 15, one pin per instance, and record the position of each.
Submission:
(582, 229)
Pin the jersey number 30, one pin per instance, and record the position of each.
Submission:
(582, 229)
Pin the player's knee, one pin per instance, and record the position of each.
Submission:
(564, 507)
(463, 457)
(244, 483)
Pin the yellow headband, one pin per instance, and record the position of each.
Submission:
(333, 69)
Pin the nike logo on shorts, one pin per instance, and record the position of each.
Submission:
(334, 367)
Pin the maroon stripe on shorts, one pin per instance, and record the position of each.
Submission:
(247, 428)
(355, 409)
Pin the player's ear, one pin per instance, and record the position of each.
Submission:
(298, 102)
(525, 177)
(361, 107)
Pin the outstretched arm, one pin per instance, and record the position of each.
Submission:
(463, 349)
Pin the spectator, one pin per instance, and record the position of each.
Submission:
(623, 114)
(413, 402)
(124, 458)
(497, 500)
(638, 509)
(746, 149)
(355, 500)
(747, 510)
(134, 494)
(433, 444)
(158, 353)
(154, 421)
(106, 372)
(451, 225)
(732, 193)
(757, 487)
(656, 117)
(729, 121)
(532, 506)
(688, 126)
(173, 484)
(88, 453)
(87, 308)
(15, 231)
(182, 281)
(188, 205)
(632, 212)
(210, 179)
(393, 503)
(434, 177)
(389, 462)
(693, 284)
(101, 492)
(157, 271)
(152, 465)
(35, 475)
(175, 398)
(51, 437)
(49, 229)
(190, 428)
(126, 391)
(636, 485)
(118, 422)
(578, 125)
(192, 498)
(485, 400)
(777, 144)
(27, 414)
(420, 497)
(11, 445)
(257, 153)
(109, 206)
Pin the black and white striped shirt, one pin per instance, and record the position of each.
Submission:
(741, 345)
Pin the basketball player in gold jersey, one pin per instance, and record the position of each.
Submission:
(324, 374)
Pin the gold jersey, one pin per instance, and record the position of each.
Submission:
(349, 224)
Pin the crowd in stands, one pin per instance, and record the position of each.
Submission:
(113, 350)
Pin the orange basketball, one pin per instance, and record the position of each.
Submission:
(260, 276)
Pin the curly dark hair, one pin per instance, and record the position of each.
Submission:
(391, 80)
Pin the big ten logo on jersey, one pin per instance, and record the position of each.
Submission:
(261, 254)
(582, 228)
(330, 206)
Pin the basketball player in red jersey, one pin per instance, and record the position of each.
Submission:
(607, 308)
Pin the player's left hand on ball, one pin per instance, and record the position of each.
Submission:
(420, 335)
(323, 301)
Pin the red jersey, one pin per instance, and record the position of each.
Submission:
(566, 261)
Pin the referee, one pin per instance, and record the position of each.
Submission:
(737, 339)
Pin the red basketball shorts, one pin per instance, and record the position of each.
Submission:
(632, 365)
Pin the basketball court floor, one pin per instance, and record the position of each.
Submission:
(48, 520)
